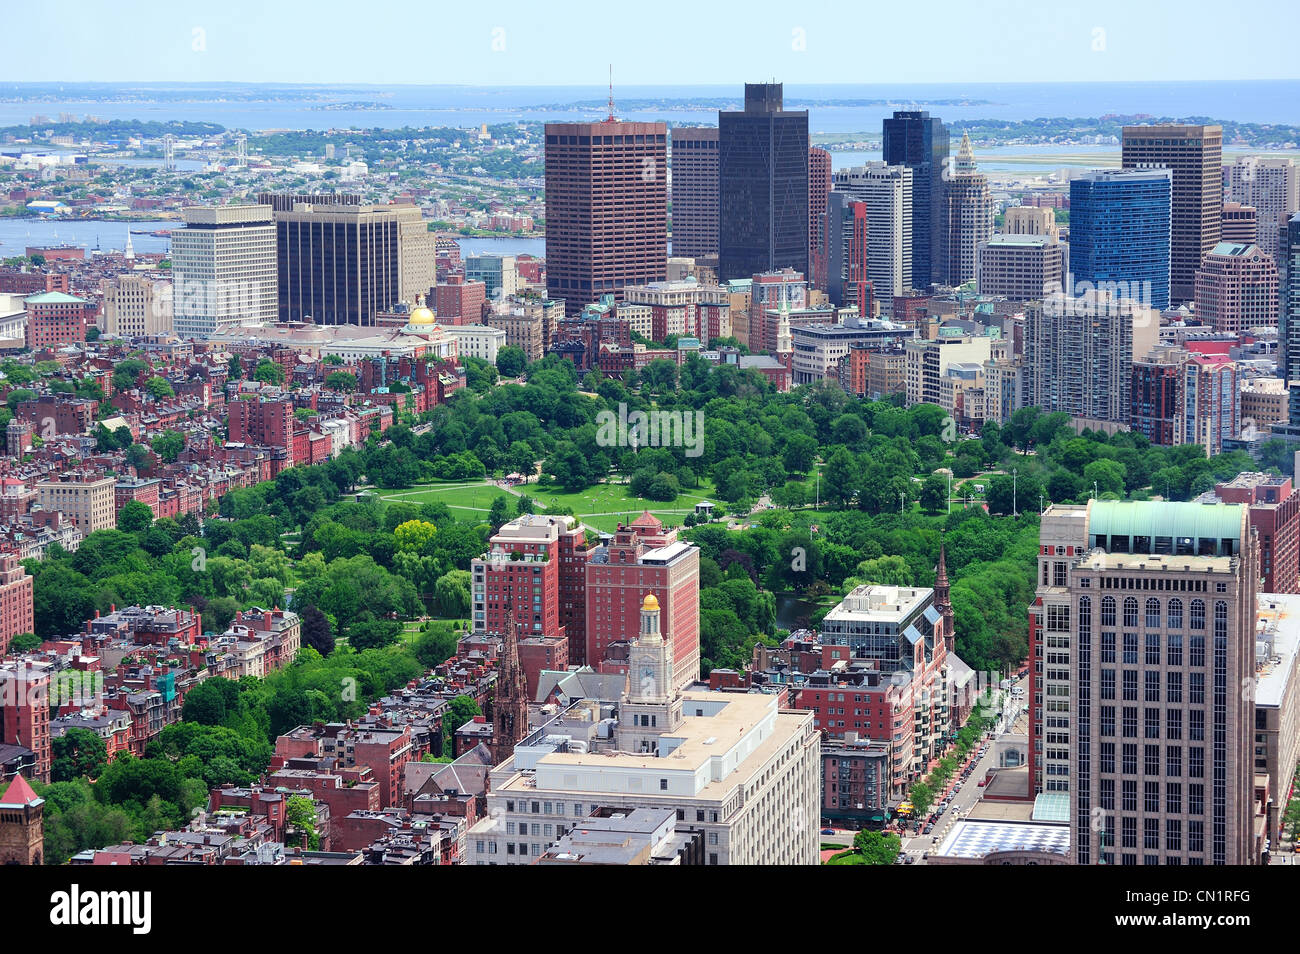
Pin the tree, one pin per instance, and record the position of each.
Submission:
(159, 388)
(460, 710)
(922, 797)
(841, 477)
(877, 847)
(451, 594)
(1108, 475)
(341, 381)
(25, 643)
(169, 445)
(300, 814)
(268, 372)
(415, 535)
(521, 459)
(511, 361)
(499, 512)
(134, 517)
(316, 630)
(934, 493)
(77, 753)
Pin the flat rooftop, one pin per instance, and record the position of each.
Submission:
(1150, 562)
(877, 602)
(1278, 619)
(972, 838)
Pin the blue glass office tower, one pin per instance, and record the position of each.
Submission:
(919, 141)
(1120, 231)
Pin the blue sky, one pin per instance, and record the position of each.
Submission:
(553, 42)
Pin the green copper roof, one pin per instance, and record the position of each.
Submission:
(55, 298)
(1165, 519)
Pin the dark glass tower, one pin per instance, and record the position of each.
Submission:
(762, 186)
(917, 140)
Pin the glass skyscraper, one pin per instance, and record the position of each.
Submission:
(762, 186)
(920, 142)
(1120, 227)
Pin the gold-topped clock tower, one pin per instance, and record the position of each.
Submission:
(650, 706)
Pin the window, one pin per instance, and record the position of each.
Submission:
(1108, 611)
(1198, 616)
(1130, 612)
(1153, 614)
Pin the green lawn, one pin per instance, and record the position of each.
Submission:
(602, 506)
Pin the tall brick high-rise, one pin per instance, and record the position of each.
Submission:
(606, 209)
(1195, 155)
(762, 186)
(819, 187)
(645, 557)
(16, 600)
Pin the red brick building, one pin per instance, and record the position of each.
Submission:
(25, 713)
(16, 614)
(55, 319)
(459, 302)
(645, 557)
(606, 208)
(1273, 506)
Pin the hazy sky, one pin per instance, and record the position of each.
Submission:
(554, 42)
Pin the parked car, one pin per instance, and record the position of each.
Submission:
(828, 831)
(984, 781)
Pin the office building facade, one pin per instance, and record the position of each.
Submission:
(1194, 156)
(919, 141)
(762, 186)
(1120, 234)
(223, 269)
(695, 191)
(606, 209)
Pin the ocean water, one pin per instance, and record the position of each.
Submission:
(299, 107)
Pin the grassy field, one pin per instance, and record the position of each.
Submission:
(602, 506)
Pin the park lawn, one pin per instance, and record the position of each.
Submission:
(850, 857)
(602, 506)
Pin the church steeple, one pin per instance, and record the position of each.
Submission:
(510, 700)
(942, 600)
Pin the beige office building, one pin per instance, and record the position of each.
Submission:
(732, 765)
(1021, 267)
(136, 305)
(1030, 220)
(88, 503)
(1162, 617)
(223, 269)
(1271, 185)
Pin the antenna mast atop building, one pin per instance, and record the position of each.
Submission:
(610, 119)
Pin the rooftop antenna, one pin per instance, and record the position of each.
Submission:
(611, 93)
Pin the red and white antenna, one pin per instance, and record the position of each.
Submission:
(611, 93)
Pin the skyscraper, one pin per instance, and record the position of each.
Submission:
(223, 268)
(1289, 332)
(695, 191)
(1194, 154)
(1237, 289)
(920, 142)
(762, 186)
(1158, 627)
(887, 191)
(1271, 186)
(342, 264)
(845, 241)
(1120, 234)
(819, 186)
(606, 209)
(1079, 354)
(967, 217)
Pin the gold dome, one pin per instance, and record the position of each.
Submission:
(420, 314)
(650, 605)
